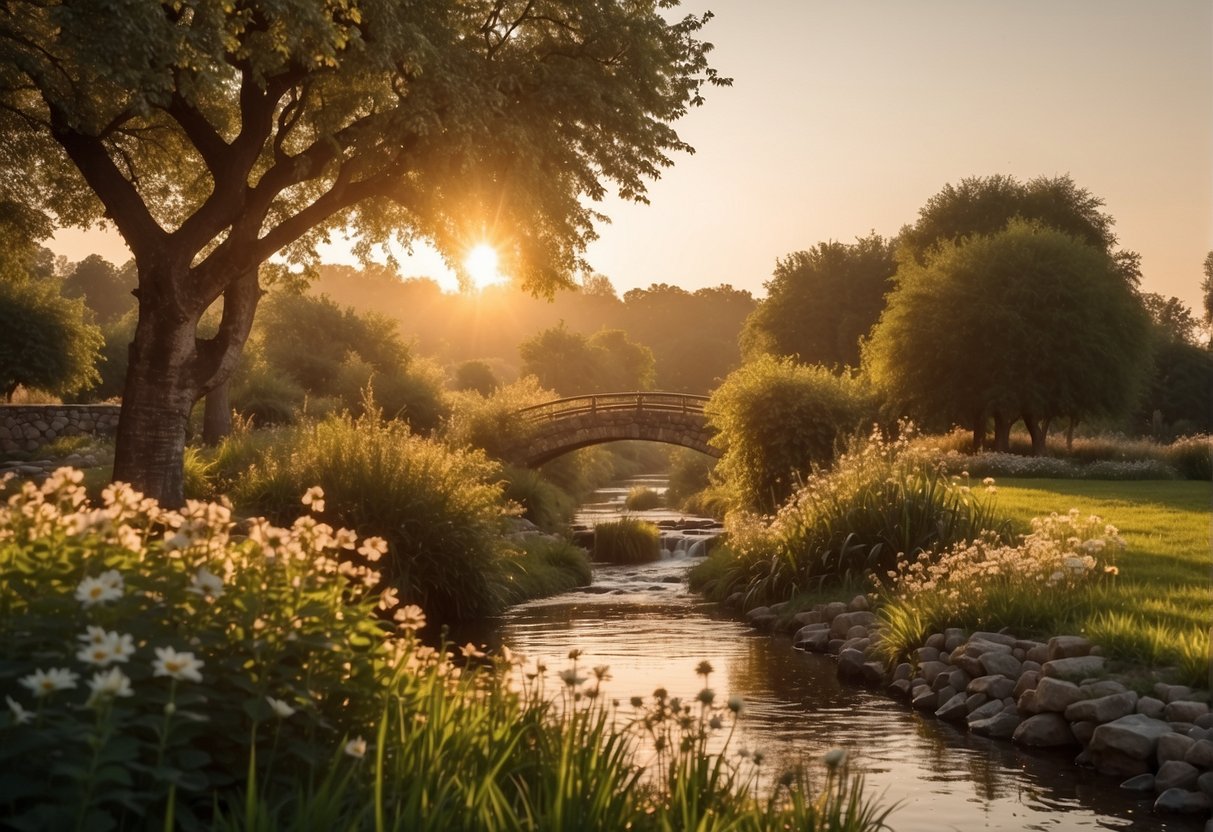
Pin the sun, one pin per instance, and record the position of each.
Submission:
(481, 266)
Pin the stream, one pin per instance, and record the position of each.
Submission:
(644, 623)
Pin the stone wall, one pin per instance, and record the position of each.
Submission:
(26, 427)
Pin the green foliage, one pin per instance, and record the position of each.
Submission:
(1025, 322)
(441, 511)
(821, 302)
(641, 498)
(106, 289)
(1176, 400)
(774, 419)
(690, 473)
(491, 422)
(46, 343)
(115, 350)
(627, 540)
(543, 566)
(1192, 456)
(476, 376)
(292, 709)
(573, 365)
(543, 502)
(880, 504)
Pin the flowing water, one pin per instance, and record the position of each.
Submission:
(644, 624)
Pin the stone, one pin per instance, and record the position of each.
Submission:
(872, 673)
(1067, 647)
(931, 670)
(959, 679)
(807, 617)
(835, 646)
(1175, 774)
(1151, 707)
(995, 638)
(1173, 747)
(845, 621)
(1104, 687)
(899, 689)
(858, 604)
(1200, 753)
(937, 641)
(1001, 726)
(816, 641)
(954, 710)
(989, 709)
(1205, 783)
(903, 671)
(1103, 709)
(1028, 680)
(1182, 801)
(1077, 667)
(953, 637)
(1039, 654)
(1083, 731)
(1171, 693)
(995, 687)
(1001, 664)
(1135, 736)
(926, 654)
(766, 623)
(1055, 695)
(1185, 711)
(850, 664)
(757, 612)
(1140, 783)
(1205, 721)
(833, 609)
(1047, 730)
(979, 647)
(925, 700)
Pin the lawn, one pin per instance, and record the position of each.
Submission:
(1160, 608)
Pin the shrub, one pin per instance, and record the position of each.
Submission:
(690, 474)
(491, 422)
(774, 420)
(627, 540)
(441, 511)
(999, 465)
(642, 498)
(543, 503)
(241, 683)
(543, 566)
(1192, 456)
(881, 503)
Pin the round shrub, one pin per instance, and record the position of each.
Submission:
(441, 511)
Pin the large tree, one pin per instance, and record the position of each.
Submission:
(574, 365)
(821, 302)
(216, 135)
(46, 343)
(1027, 323)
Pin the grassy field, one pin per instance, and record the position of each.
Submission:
(1160, 608)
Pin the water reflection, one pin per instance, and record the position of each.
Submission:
(653, 633)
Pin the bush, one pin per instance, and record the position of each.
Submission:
(546, 505)
(441, 511)
(1000, 465)
(690, 474)
(627, 540)
(641, 498)
(881, 503)
(241, 683)
(544, 566)
(491, 422)
(1192, 456)
(774, 420)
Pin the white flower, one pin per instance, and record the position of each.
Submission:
(44, 682)
(101, 647)
(279, 707)
(314, 497)
(410, 617)
(206, 584)
(109, 685)
(99, 590)
(177, 665)
(388, 598)
(20, 715)
(373, 548)
(356, 748)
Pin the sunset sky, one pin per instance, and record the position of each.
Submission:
(847, 117)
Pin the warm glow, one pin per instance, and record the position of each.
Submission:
(481, 266)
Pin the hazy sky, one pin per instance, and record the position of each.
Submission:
(846, 117)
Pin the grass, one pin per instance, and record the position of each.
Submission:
(642, 498)
(627, 540)
(1156, 612)
(543, 567)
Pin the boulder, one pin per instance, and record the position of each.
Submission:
(1083, 731)
(953, 637)
(926, 654)
(816, 641)
(1140, 783)
(1205, 783)
(858, 604)
(1151, 707)
(1003, 639)
(1103, 709)
(1038, 654)
(1200, 753)
(898, 689)
(833, 609)
(872, 673)
(975, 700)
(931, 670)
(959, 679)
(1175, 774)
(1104, 687)
(936, 640)
(1171, 693)
(992, 708)
(1077, 667)
(1135, 736)
(1173, 747)
(954, 710)
(1046, 730)
(850, 664)
(1053, 694)
(1185, 711)
(903, 671)
(995, 687)
(1000, 664)
(1000, 726)
(1181, 801)
(925, 699)
(1068, 647)
(1028, 680)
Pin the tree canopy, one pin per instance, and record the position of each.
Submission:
(574, 365)
(1028, 322)
(214, 136)
(821, 302)
(46, 343)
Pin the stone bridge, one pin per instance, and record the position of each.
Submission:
(564, 425)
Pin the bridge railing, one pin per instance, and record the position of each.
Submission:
(614, 402)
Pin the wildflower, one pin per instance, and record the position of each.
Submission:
(388, 598)
(101, 647)
(206, 584)
(704, 668)
(356, 748)
(574, 654)
(835, 758)
(373, 548)
(109, 685)
(1111, 570)
(20, 715)
(570, 678)
(602, 672)
(410, 617)
(314, 498)
(706, 696)
(345, 539)
(45, 682)
(637, 702)
(106, 587)
(177, 665)
(715, 723)
(736, 703)
(280, 708)
(471, 651)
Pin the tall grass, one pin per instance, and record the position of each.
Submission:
(441, 511)
(627, 540)
(642, 498)
(542, 566)
(544, 503)
(880, 503)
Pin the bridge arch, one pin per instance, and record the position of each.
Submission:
(557, 427)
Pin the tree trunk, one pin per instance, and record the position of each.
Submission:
(1002, 432)
(1038, 430)
(217, 414)
(979, 432)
